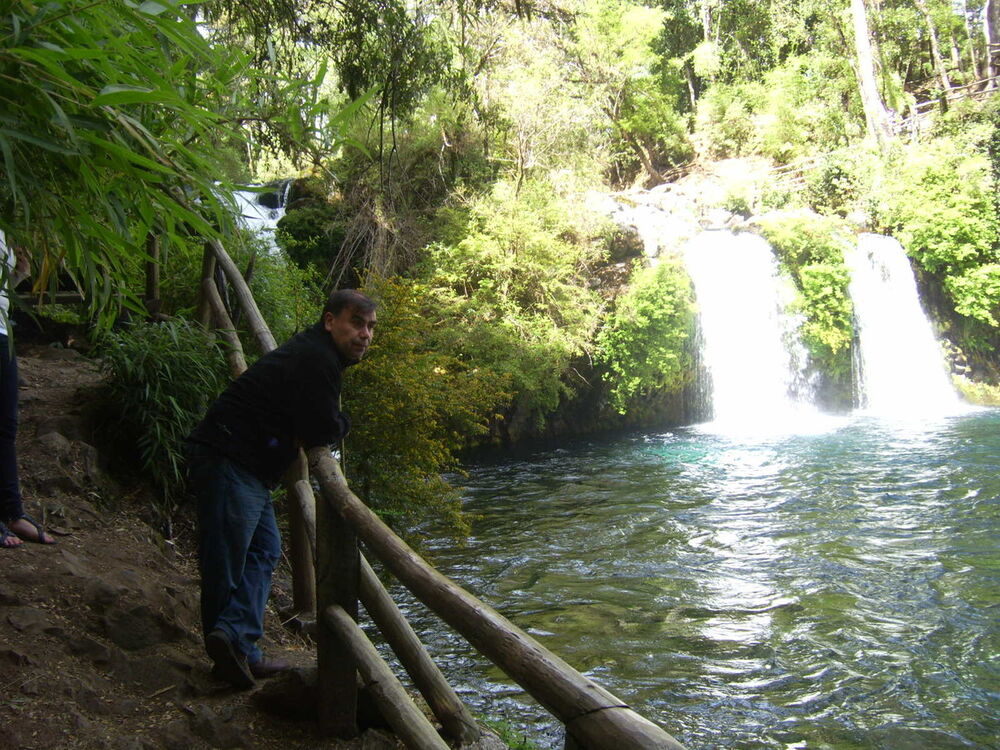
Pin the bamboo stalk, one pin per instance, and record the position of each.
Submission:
(204, 312)
(224, 327)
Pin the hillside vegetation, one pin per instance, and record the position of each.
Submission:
(443, 155)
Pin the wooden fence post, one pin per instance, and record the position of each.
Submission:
(594, 717)
(337, 572)
(301, 514)
(456, 720)
(396, 706)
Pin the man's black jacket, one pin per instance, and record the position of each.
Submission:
(290, 396)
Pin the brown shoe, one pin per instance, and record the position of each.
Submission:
(269, 668)
(230, 665)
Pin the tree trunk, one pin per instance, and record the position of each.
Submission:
(939, 67)
(991, 31)
(876, 116)
(978, 69)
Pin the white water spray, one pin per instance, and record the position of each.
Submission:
(260, 219)
(901, 367)
(751, 348)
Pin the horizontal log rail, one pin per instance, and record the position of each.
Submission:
(594, 718)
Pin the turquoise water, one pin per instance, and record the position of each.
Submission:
(833, 590)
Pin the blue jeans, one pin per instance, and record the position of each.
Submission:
(10, 489)
(238, 547)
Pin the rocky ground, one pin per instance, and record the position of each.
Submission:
(99, 644)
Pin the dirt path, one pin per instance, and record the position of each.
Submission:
(98, 634)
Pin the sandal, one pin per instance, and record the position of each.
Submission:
(6, 534)
(39, 530)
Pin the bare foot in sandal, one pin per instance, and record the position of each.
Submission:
(29, 530)
(7, 538)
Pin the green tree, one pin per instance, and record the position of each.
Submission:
(511, 289)
(412, 407)
(615, 56)
(644, 342)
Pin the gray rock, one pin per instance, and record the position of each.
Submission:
(56, 445)
(139, 627)
(216, 730)
(32, 621)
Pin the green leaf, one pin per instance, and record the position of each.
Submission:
(40, 142)
(151, 8)
(117, 94)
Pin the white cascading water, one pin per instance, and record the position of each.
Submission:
(901, 367)
(262, 220)
(750, 345)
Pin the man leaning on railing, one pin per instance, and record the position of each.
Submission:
(289, 399)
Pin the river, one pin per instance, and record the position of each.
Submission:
(838, 589)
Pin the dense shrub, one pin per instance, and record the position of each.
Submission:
(513, 294)
(810, 249)
(725, 123)
(161, 378)
(938, 201)
(644, 342)
(412, 407)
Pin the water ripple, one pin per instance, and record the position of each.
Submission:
(834, 590)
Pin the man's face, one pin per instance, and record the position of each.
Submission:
(351, 331)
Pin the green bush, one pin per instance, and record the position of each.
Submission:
(725, 123)
(161, 378)
(312, 235)
(412, 407)
(810, 249)
(938, 201)
(644, 342)
(289, 297)
(513, 294)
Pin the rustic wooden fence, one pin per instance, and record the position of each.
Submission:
(330, 577)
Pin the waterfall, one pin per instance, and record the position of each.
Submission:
(750, 345)
(901, 369)
(260, 212)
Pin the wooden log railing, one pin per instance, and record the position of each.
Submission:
(594, 718)
(330, 576)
